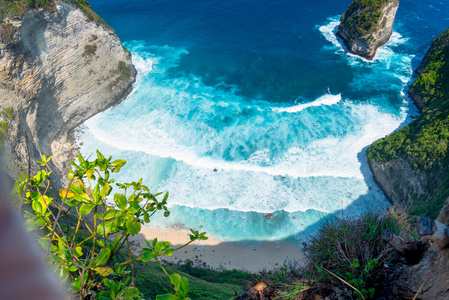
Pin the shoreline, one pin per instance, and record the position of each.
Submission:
(249, 256)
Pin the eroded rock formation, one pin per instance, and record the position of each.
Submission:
(57, 69)
(368, 24)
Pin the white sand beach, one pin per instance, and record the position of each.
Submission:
(248, 256)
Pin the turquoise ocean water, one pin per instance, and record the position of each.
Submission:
(244, 108)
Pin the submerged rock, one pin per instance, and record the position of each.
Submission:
(367, 24)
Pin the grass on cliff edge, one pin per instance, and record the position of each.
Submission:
(351, 249)
(16, 8)
(152, 281)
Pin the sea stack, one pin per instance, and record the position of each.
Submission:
(367, 25)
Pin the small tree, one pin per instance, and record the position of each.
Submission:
(94, 251)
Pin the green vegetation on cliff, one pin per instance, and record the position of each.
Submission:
(425, 141)
(347, 259)
(426, 138)
(16, 8)
(363, 16)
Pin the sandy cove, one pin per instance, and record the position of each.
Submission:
(248, 256)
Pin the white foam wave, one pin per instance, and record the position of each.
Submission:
(167, 128)
(329, 31)
(335, 157)
(383, 53)
(323, 100)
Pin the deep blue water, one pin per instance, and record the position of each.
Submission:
(243, 108)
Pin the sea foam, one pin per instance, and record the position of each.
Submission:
(323, 100)
(224, 156)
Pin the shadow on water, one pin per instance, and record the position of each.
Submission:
(254, 256)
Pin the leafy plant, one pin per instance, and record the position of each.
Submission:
(94, 252)
(353, 251)
(359, 276)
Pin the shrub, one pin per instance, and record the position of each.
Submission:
(89, 50)
(97, 260)
(347, 260)
(353, 250)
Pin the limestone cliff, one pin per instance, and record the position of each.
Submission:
(58, 67)
(411, 165)
(367, 24)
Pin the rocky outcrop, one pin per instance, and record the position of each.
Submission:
(411, 165)
(57, 68)
(398, 178)
(367, 24)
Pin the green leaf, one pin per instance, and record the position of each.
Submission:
(118, 164)
(96, 194)
(169, 252)
(102, 258)
(99, 155)
(176, 280)
(134, 205)
(90, 174)
(165, 245)
(109, 283)
(121, 201)
(105, 190)
(86, 208)
(111, 213)
(41, 222)
(184, 285)
(104, 271)
(73, 268)
(107, 227)
(64, 192)
(76, 285)
(147, 255)
(31, 224)
(167, 297)
(131, 292)
(146, 218)
(37, 207)
(165, 198)
(79, 251)
(133, 227)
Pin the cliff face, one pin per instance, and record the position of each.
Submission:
(57, 69)
(411, 165)
(368, 24)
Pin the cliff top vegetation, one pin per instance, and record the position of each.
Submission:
(426, 138)
(363, 16)
(16, 8)
(425, 141)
